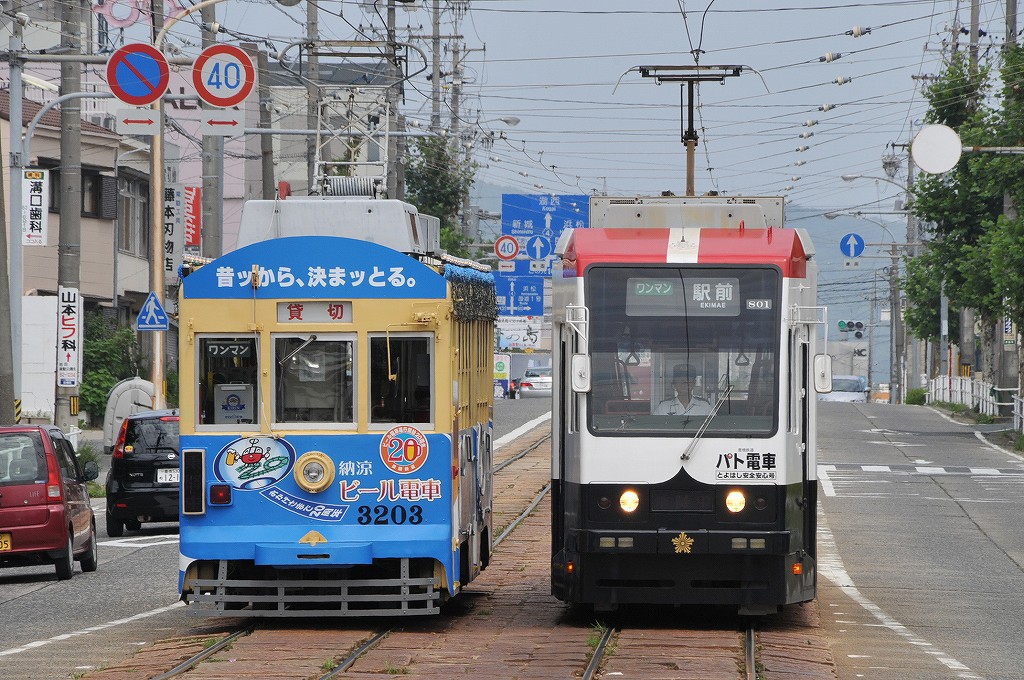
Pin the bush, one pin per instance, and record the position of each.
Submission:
(108, 357)
(917, 396)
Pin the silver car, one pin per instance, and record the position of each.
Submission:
(847, 388)
(536, 382)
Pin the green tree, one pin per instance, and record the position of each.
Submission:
(437, 183)
(959, 206)
(109, 355)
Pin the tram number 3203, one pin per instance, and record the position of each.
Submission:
(398, 514)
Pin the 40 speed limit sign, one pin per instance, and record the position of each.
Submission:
(506, 247)
(223, 75)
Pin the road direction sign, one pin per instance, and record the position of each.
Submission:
(138, 74)
(852, 245)
(520, 295)
(152, 317)
(506, 247)
(537, 220)
(223, 75)
(138, 122)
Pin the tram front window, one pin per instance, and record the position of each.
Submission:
(401, 388)
(669, 343)
(228, 385)
(314, 379)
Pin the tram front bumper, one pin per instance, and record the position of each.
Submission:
(675, 542)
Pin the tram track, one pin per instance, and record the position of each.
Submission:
(505, 619)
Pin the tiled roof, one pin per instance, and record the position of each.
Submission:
(50, 119)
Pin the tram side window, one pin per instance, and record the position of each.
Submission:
(228, 384)
(314, 380)
(401, 390)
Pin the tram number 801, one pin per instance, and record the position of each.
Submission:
(398, 514)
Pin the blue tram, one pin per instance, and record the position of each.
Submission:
(684, 468)
(336, 407)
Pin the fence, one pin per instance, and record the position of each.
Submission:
(978, 395)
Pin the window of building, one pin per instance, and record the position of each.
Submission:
(133, 228)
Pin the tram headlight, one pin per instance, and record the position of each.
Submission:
(629, 500)
(735, 501)
(314, 471)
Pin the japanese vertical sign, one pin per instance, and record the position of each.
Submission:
(69, 337)
(174, 232)
(35, 211)
(193, 220)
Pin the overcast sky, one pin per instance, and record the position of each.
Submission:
(589, 121)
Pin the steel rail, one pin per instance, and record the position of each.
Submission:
(598, 656)
(374, 640)
(532, 447)
(213, 649)
(526, 513)
(749, 649)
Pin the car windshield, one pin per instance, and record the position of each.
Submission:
(539, 373)
(846, 385)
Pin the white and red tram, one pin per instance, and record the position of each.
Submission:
(685, 333)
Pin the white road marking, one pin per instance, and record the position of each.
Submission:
(830, 565)
(92, 629)
(520, 431)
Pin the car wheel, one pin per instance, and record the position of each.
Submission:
(65, 564)
(115, 527)
(91, 558)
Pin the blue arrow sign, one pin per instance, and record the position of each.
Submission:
(153, 317)
(851, 245)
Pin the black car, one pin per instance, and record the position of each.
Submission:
(142, 484)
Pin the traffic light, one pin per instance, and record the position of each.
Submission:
(855, 327)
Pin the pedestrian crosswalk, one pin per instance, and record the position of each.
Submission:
(920, 469)
(863, 480)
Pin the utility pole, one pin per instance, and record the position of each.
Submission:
(16, 261)
(69, 247)
(157, 339)
(393, 93)
(435, 79)
(312, 94)
(7, 395)
(212, 198)
(266, 141)
(967, 316)
(895, 329)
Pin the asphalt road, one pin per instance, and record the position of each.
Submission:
(54, 629)
(922, 556)
(921, 571)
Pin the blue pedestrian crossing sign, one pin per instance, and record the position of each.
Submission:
(153, 317)
(852, 245)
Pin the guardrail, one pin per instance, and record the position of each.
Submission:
(981, 396)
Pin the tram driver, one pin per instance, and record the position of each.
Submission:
(686, 402)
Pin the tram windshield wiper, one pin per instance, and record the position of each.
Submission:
(707, 421)
(310, 340)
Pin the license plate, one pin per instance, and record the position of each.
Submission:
(167, 475)
(5, 542)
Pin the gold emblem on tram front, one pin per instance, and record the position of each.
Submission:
(683, 543)
(312, 538)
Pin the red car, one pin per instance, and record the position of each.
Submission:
(45, 515)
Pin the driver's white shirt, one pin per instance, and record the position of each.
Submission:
(698, 406)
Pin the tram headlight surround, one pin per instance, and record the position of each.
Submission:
(735, 501)
(629, 501)
(314, 471)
